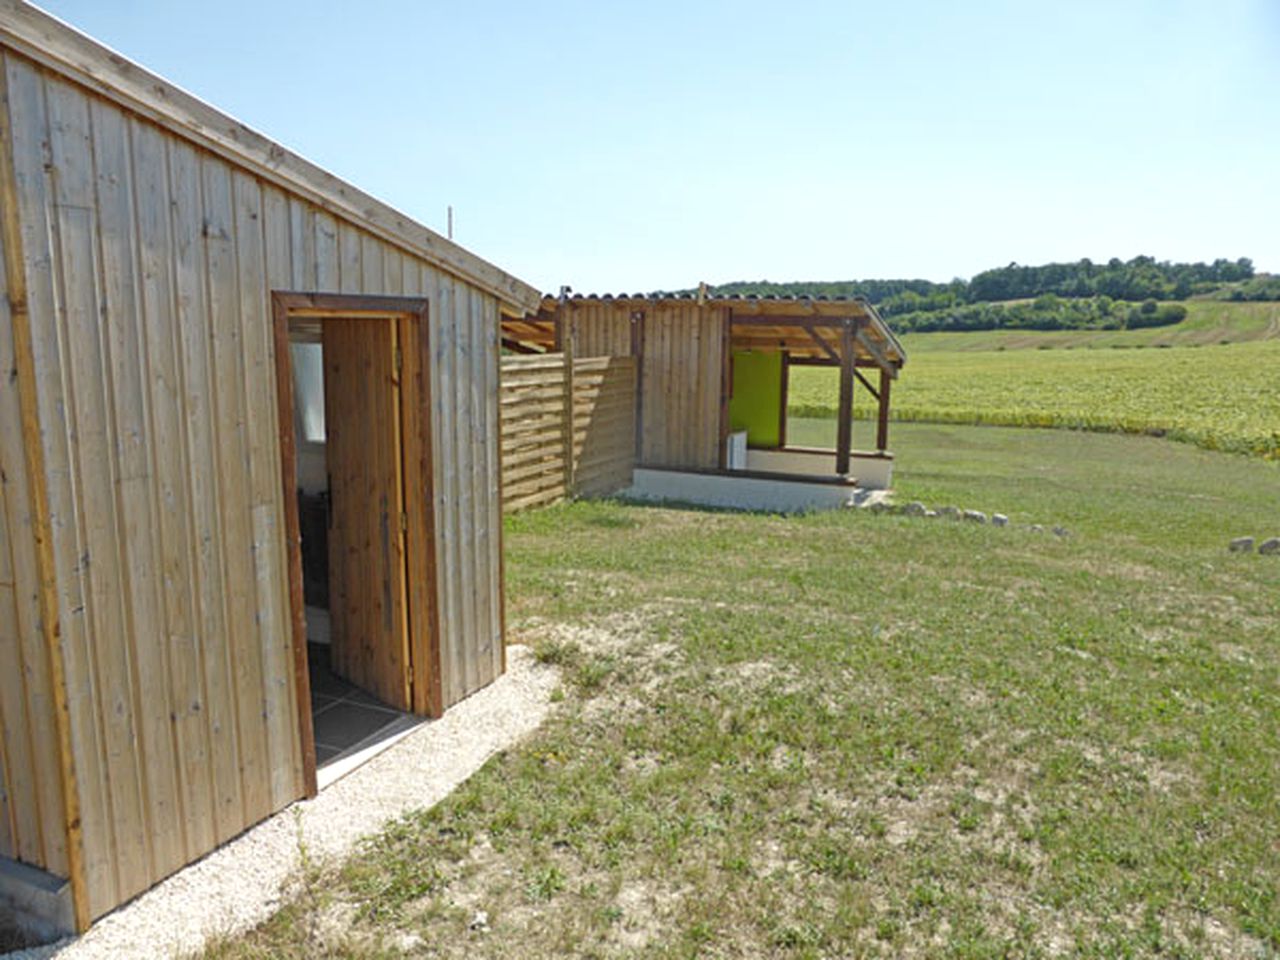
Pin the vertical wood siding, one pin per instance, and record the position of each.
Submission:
(31, 807)
(679, 380)
(601, 329)
(149, 264)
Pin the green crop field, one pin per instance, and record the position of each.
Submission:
(1220, 397)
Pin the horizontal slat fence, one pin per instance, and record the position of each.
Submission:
(604, 420)
(532, 401)
(539, 463)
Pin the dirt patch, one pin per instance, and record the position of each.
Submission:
(1160, 776)
(646, 911)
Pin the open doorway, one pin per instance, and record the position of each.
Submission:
(356, 472)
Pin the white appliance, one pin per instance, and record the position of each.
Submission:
(736, 456)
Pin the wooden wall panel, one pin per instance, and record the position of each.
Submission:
(603, 329)
(215, 811)
(680, 348)
(33, 827)
(65, 279)
(465, 427)
(170, 464)
(680, 386)
(150, 264)
(31, 807)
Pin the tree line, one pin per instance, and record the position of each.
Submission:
(1046, 312)
(1052, 296)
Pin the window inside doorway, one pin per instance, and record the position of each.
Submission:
(307, 359)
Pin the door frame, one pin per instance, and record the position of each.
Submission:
(419, 493)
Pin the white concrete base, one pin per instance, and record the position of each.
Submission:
(744, 493)
(871, 471)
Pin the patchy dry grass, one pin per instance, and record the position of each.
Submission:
(856, 735)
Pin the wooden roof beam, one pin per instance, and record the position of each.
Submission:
(867, 383)
(873, 348)
(515, 346)
(784, 320)
(829, 350)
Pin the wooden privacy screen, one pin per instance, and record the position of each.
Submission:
(568, 428)
(604, 412)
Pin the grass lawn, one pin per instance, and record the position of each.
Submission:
(856, 735)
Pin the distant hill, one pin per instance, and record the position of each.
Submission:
(1054, 296)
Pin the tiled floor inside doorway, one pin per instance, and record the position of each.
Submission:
(350, 724)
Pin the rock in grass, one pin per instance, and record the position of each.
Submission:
(1270, 546)
(1036, 528)
(1241, 545)
(977, 516)
(931, 513)
(915, 509)
(999, 520)
(953, 512)
(880, 507)
(1060, 532)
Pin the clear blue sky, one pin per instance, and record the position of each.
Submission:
(633, 146)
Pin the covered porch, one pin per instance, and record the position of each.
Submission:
(714, 384)
(767, 341)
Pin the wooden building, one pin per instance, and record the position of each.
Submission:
(163, 270)
(712, 391)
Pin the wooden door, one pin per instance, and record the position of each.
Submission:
(367, 590)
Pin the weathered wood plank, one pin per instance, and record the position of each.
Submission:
(215, 702)
(125, 338)
(270, 634)
(174, 564)
(31, 725)
(20, 813)
(327, 269)
(469, 548)
(446, 389)
(119, 862)
(280, 233)
(231, 454)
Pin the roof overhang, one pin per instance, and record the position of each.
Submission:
(809, 330)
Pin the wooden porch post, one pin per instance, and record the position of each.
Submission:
(726, 387)
(785, 391)
(882, 428)
(637, 351)
(844, 415)
(567, 345)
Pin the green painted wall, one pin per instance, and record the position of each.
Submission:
(756, 402)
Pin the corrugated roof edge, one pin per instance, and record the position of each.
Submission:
(63, 49)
